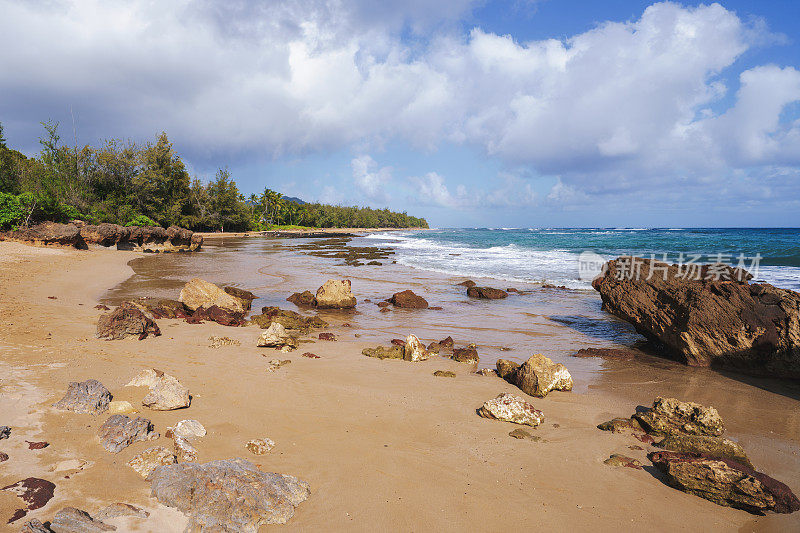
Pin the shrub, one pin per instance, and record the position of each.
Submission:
(10, 210)
(142, 220)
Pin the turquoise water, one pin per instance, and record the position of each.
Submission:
(550, 255)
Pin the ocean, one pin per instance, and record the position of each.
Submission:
(550, 255)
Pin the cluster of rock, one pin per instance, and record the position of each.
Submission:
(79, 234)
(412, 349)
(716, 320)
(199, 300)
(537, 376)
(291, 320)
(486, 293)
(697, 459)
(227, 495)
(333, 294)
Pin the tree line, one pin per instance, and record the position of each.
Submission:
(129, 184)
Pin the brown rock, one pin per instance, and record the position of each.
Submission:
(246, 297)
(487, 293)
(725, 482)
(120, 431)
(620, 354)
(49, 234)
(468, 283)
(668, 416)
(623, 460)
(303, 299)
(335, 294)
(447, 342)
(129, 319)
(327, 337)
(506, 369)
(105, 234)
(714, 447)
(408, 300)
(34, 492)
(226, 317)
(539, 375)
(444, 374)
(465, 355)
(724, 322)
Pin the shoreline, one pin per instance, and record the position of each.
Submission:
(301, 233)
(384, 444)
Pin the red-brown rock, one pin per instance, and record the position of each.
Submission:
(486, 293)
(408, 300)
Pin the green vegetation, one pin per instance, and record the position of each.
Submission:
(129, 184)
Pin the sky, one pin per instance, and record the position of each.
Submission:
(471, 113)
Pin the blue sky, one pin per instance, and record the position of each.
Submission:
(470, 113)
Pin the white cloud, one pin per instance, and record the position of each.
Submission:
(623, 107)
(369, 178)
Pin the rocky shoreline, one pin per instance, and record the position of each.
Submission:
(184, 433)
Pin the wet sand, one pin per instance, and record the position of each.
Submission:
(385, 445)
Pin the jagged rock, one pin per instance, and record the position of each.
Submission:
(146, 462)
(105, 234)
(510, 408)
(506, 369)
(486, 293)
(5, 432)
(217, 314)
(447, 342)
(668, 416)
(725, 482)
(413, 350)
(382, 352)
(408, 300)
(246, 297)
(166, 392)
(276, 336)
(184, 449)
(230, 495)
(723, 322)
(116, 510)
(129, 319)
(335, 294)
(714, 447)
(303, 299)
(468, 283)
(539, 375)
(260, 446)
(72, 520)
(120, 431)
(33, 491)
(444, 374)
(88, 396)
(48, 234)
(622, 460)
(187, 429)
(434, 348)
(199, 293)
(162, 307)
(465, 355)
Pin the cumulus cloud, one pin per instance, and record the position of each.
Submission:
(623, 107)
(369, 178)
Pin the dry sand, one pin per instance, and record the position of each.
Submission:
(385, 445)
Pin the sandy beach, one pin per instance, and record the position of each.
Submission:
(384, 445)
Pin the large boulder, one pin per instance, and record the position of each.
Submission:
(199, 293)
(719, 319)
(510, 408)
(669, 416)
(710, 446)
(105, 234)
(537, 376)
(725, 482)
(129, 319)
(88, 396)
(120, 431)
(487, 293)
(335, 294)
(408, 300)
(229, 495)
